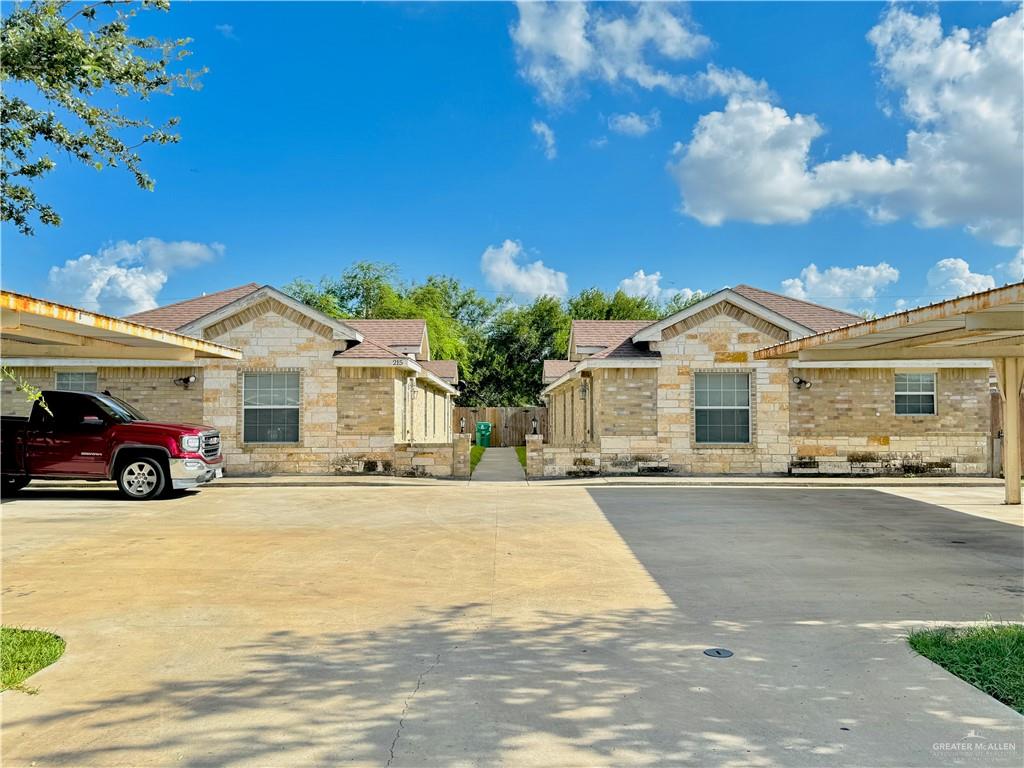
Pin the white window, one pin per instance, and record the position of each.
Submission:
(271, 407)
(722, 407)
(915, 394)
(76, 381)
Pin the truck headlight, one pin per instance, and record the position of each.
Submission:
(191, 443)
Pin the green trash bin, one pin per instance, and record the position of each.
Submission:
(483, 434)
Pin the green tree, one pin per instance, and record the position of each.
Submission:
(65, 76)
(679, 302)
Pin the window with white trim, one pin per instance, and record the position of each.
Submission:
(270, 403)
(915, 394)
(722, 407)
(76, 381)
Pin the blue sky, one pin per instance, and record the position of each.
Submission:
(710, 144)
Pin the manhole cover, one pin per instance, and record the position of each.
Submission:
(718, 653)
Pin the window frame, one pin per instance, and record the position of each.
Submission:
(298, 408)
(934, 392)
(95, 376)
(704, 444)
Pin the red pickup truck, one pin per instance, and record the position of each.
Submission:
(89, 436)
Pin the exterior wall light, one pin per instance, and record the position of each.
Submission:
(801, 383)
(186, 381)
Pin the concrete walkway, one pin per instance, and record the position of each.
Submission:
(499, 465)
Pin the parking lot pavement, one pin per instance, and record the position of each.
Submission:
(473, 625)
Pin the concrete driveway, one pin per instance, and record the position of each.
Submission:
(495, 624)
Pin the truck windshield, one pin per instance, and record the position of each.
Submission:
(119, 409)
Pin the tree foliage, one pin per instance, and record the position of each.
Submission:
(500, 346)
(67, 70)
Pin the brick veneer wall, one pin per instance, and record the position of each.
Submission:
(846, 423)
(626, 402)
(151, 390)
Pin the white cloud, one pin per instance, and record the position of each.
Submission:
(1013, 269)
(953, 277)
(632, 124)
(227, 30)
(841, 286)
(649, 286)
(126, 277)
(504, 270)
(560, 44)
(963, 164)
(544, 132)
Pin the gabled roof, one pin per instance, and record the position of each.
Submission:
(368, 349)
(443, 369)
(392, 333)
(556, 369)
(813, 316)
(171, 317)
(603, 333)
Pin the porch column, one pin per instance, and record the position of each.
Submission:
(1010, 374)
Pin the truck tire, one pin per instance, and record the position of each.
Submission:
(141, 478)
(13, 483)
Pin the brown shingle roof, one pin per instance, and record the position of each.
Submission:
(443, 369)
(368, 349)
(605, 333)
(174, 316)
(813, 316)
(391, 333)
(556, 369)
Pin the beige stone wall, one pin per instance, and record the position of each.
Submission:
(846, 423)
(723, 341)
(461, 447)
(272, 342)
(12, 401)
(625, 402)
(424, 459)
(569, 413)
(150, 389)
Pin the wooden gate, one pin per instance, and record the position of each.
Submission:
(509, 424)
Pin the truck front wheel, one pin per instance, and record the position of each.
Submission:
(141, 478)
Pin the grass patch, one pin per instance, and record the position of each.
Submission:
(521, 453)
(989, 657)
(476, 453)
(23, 652)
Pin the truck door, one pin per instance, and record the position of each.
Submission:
(72, 441)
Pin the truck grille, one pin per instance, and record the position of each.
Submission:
(210, 447)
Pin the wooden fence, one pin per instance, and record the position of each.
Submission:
(509, 424)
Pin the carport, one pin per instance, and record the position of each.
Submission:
(987, 325)
(36, 332)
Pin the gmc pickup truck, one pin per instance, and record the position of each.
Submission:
(89, 436)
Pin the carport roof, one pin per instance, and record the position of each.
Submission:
(36, 329)
(983, 325)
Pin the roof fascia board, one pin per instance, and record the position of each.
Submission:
(589, 363)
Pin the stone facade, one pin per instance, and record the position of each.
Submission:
(351, 419)
(150, 389)
(846, 423)
(642, 419)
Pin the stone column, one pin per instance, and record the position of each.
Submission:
(461, 442)
(534, 456)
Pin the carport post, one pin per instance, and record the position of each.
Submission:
(1010, 374)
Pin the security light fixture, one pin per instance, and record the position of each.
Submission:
(801, 383)
(186, 381)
